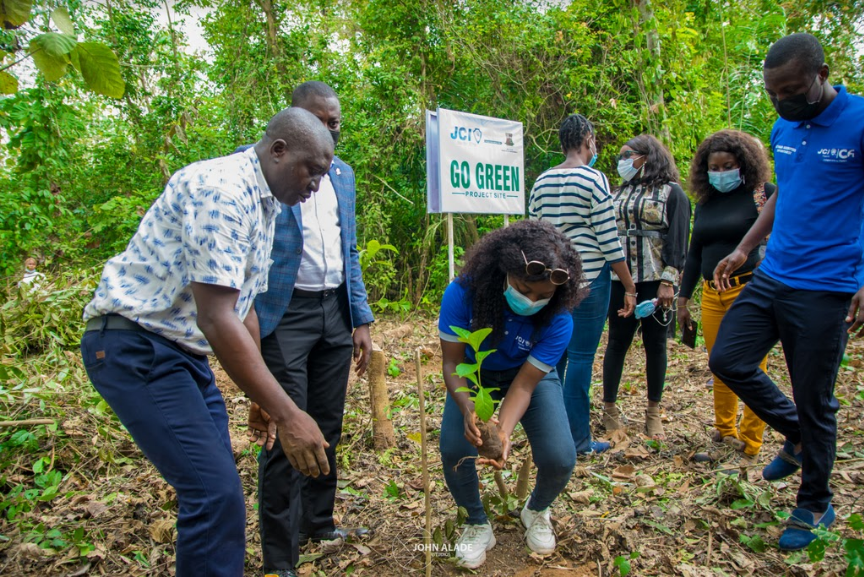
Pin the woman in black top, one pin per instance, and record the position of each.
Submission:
(728, 178)
(653, 218)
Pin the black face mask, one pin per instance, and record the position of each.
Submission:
(797, 108)
(335, 135)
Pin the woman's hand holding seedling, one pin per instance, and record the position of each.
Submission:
(472, 433)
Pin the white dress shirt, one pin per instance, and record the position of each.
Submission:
(322, 265)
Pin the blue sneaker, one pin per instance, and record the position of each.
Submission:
(597, 447)
(784, 464)
(799, 529)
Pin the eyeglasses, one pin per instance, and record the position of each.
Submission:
(627, 154)
(557, 276)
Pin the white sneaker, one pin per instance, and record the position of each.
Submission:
(539, 533)
(472, 545)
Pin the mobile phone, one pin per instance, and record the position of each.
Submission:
(688, 335)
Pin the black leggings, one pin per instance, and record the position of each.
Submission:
(621, 331)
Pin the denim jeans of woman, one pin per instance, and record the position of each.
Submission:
(545, 424)
(576, 367)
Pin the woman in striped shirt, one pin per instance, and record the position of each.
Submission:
(575, 198)
(653, 215)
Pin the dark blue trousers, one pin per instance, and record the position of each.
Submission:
(168, 401)
(811, 327)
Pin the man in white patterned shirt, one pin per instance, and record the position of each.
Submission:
(183, 288)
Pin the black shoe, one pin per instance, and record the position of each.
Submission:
(280, 573)
(337, 533)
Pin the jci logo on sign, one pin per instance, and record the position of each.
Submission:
(462, 133)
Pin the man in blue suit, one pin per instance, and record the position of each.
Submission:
(313, 318)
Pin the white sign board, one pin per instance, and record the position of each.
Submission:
(475, 164)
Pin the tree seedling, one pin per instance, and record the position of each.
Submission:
(484, 404)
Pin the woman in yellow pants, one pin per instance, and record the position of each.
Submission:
(728, 178)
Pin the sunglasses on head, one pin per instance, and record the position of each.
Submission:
(627, 154)
(557, 276)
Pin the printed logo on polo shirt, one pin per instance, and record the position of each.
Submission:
(523, 344)
(783, 149)
(837, 154)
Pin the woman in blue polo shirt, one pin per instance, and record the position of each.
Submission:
(520, 281)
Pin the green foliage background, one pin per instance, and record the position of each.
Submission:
(77, 171)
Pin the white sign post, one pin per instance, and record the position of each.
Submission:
(474, 164)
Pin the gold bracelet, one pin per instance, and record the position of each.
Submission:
(634, 295)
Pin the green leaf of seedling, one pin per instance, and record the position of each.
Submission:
(464, 390)
(477, 338)
(481, 356)
(741, 504)
(856, 521)
(484, 405)
(465, 369)
(463, 334)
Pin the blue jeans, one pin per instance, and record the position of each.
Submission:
(812, 328)
(168, 401)
(576, 366)
(545, 424)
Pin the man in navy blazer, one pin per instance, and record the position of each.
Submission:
(313, 318)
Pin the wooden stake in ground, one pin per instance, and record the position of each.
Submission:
(524, 476)
(26, 423)
(383, 436)
(427, 534)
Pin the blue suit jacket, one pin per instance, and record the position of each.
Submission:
(288, 249)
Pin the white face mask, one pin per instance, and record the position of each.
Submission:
(626, 169)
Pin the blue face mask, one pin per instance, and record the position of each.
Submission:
(646, 309)
(725, 181)
(626, 170)
(593, 160)
(522, 305)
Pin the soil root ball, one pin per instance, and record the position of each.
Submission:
(491, 447)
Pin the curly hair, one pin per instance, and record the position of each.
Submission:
(499, 254)
(659, 167)
(573, 132)
(746, 149)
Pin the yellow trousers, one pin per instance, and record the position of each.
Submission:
(714, 307)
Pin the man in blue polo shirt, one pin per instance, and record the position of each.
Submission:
(810, 286)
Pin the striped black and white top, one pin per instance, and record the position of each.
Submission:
(578, 203)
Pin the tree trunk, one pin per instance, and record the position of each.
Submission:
(653, 88)
(383, 436)
(275, 48)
